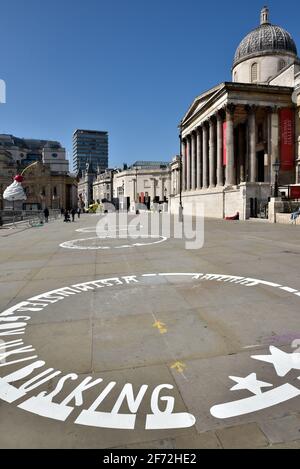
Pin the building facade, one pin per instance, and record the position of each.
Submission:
(85, 188)
(234, 136)
(103, 186)
(26, 151)
(7, 173)
(44, 188)
(90, 147)
(144, 182)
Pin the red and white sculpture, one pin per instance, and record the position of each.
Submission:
(15, 191)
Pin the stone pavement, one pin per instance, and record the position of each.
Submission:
(190, 332)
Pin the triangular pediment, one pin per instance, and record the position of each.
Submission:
(201, 101)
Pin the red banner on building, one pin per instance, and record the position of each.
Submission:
(295, 192)
(224, 144)
(287, 147)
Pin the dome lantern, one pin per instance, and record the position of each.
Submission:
(264, 16)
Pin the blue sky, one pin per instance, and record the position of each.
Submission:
(131, 67)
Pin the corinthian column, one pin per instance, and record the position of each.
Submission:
(242, 152)
(183, 156)
(252, 143)
(205, 156)
(220, 175)
(193, 165)
(274, 141)
(212, 153)
(199, 158)
(230, 169)
(188, 163)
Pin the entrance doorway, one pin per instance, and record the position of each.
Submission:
(260, 166)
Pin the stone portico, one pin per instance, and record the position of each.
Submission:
(230, 139)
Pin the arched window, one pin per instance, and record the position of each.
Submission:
(281, 64)
(235, 76)
(254, 72)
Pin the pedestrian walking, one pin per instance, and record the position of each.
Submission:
(79, 212)
(46, 215)
(73, 213)
(295, 215)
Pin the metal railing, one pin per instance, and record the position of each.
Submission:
(291, 204)
(30, 217)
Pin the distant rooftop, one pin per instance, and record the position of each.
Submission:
(8, 141)
(150, 164)
(86, 131)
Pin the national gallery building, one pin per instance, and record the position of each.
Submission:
(240, 136)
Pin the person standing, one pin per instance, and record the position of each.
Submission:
(66, 216)
(46, 214)
(79, 212)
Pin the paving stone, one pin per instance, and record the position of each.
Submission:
(280, 430)
(289, 445)
(132, 340)
(242, 437)
(207, 440)
(166, 443)
(66, 346)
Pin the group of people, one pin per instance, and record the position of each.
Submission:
(67, 214)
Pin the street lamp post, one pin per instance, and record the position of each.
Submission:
(136, 185)
(276, 168)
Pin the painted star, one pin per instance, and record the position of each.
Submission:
(251, 383)
(283, 362)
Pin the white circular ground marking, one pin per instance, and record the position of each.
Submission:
(91, 244)
(93, 229)
(34, 375)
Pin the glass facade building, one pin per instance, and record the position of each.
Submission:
(90, 146)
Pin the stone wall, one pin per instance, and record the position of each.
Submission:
(287, 77)
(233, 203)
(285, 218)
(267, 67)
(217, 203)
(223, 202)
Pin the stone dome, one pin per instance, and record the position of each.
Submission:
(266, 39)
